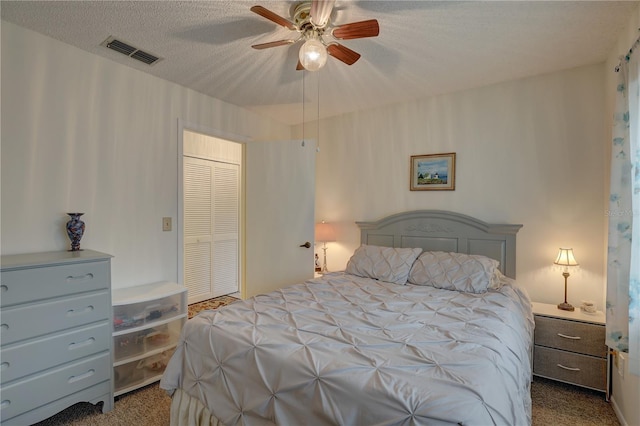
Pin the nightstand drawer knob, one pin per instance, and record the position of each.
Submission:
(568, 368)
(569, 337)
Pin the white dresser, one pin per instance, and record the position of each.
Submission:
(56, 333)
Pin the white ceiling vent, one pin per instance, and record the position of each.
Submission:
(131, 51)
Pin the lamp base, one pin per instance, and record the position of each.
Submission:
(566, 306)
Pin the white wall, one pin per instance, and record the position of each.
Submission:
(528, 152)
(626, 387)
(82, 133)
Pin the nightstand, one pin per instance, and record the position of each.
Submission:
(570, 347)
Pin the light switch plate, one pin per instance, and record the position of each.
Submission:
(166, 224)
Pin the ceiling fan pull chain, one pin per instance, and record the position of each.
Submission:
(318, 117)
(303, 72)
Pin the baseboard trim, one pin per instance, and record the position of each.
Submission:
(618, 413)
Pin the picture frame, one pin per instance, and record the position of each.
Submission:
(433, 172)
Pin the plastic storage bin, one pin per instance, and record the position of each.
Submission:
(147, 321)
(141, 372)
(143, 313)
(147, 340)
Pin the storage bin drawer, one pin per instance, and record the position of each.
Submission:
(571, 336)
(28, 358)
(43, 318)
(569, 367)
(28, 285)
(150, 339)
(142, 313)
(28, 394)
(134, 373)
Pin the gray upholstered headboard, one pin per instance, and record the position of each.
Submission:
(437, 230)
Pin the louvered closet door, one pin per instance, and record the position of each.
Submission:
(211, 228)
(226, 205)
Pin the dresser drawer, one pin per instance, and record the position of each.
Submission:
(94, 395)
(27, 285)
(29, 321)
(570, 367)
(571, 336)
(56, 383)
(28, 358)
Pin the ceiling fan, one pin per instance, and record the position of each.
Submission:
(311, 20)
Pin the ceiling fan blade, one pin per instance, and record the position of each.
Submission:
(299, 67)
(266, 13)
(321, 11)
(369, 28)
(273, 44)
(343, 53)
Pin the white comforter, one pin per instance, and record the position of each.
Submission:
(354, 351)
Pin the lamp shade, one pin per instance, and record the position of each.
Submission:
(324, 232)
(565, 258)
(313, 55)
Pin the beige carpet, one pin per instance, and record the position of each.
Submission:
(210, 304)
(553, 403)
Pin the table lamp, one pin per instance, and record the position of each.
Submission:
(565, 258)
(324, 234)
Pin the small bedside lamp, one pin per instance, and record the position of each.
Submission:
(324, 234)
(566, 259)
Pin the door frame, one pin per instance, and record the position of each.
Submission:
(179, 225)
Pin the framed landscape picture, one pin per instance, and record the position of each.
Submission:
(434, 172)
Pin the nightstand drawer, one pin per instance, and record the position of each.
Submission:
(568, 367)
(571, 336)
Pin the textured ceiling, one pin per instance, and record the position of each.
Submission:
(424, 47)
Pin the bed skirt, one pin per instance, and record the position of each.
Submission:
(189, 411)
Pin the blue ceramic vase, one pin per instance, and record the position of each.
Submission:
(75, 230)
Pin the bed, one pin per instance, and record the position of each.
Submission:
(426, 326)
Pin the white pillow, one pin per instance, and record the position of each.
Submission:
(383, 263)
(469, 273)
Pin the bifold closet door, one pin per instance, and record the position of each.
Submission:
(211, 228)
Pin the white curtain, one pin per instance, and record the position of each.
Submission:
(623, 271)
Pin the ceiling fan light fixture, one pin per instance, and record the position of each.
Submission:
(313, 55)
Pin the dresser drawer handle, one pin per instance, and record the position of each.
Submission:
(569, 337)
(74, 345)
(568, 368)
(86, 375)
(4, 288)
(71, 278)
(4, 366)
(4, 327)
(5, 404)
(73, 312)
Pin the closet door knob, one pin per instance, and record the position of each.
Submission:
(306, 245)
